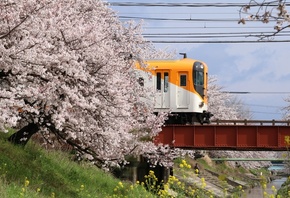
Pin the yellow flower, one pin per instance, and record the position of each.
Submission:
(181, 165)
(273, 188)
(121, 184)
(38, 190)
(26, 182)
(151, 172)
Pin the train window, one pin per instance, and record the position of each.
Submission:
(183, 80)
(158, 81)
(166, 80)
(198, 78)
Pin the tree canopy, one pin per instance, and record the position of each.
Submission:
(65, 69)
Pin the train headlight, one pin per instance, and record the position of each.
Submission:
(201, 104)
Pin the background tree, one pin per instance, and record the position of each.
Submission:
(223, 105)
(286, 109)
(65, 69)
(226, 106)
(266, 12)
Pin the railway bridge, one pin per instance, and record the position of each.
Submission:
(263, 135)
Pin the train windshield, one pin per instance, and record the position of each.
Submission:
(198, 78)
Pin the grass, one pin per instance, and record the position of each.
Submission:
(34, 172)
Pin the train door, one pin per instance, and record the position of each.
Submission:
(182, 90)
(162, 89)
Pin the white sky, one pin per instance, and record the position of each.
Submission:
(243, 67)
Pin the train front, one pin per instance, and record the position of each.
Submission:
(200, 84)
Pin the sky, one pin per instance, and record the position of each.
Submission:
(208, 30)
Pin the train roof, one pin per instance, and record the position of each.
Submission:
(184, 63)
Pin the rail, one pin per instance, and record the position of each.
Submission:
(252, 122)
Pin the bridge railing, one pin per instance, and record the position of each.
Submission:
(252, 122)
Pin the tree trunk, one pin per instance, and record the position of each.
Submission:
(22, 136)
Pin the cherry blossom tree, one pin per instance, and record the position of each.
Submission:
(226, 106)
(266, 12)
(286, 110)
(66, 70)
(223, 105)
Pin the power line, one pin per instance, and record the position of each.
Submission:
(183, 38)
(202, 37)
(176, 38)
(210, 33)
(205, 27)
(180, 4)
(265, 112)
(183, 13)
(185, 19)
(266, 106)
(219, 42)
(255, 92)
(179, 19)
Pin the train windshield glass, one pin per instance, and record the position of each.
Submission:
(198, 78)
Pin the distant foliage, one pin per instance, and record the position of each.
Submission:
(286, 109)
(223, 105)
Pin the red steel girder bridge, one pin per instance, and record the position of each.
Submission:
(229, 135)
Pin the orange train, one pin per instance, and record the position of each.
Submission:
(180, 88)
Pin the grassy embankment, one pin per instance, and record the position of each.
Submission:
(35, 172)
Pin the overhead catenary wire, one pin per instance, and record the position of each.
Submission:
(227, 36)
(264, 106)
(183, 4)
(210, 33)
(222, 41)
(196, 15)
(205, 27)
(189, 19)
(256, 92)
